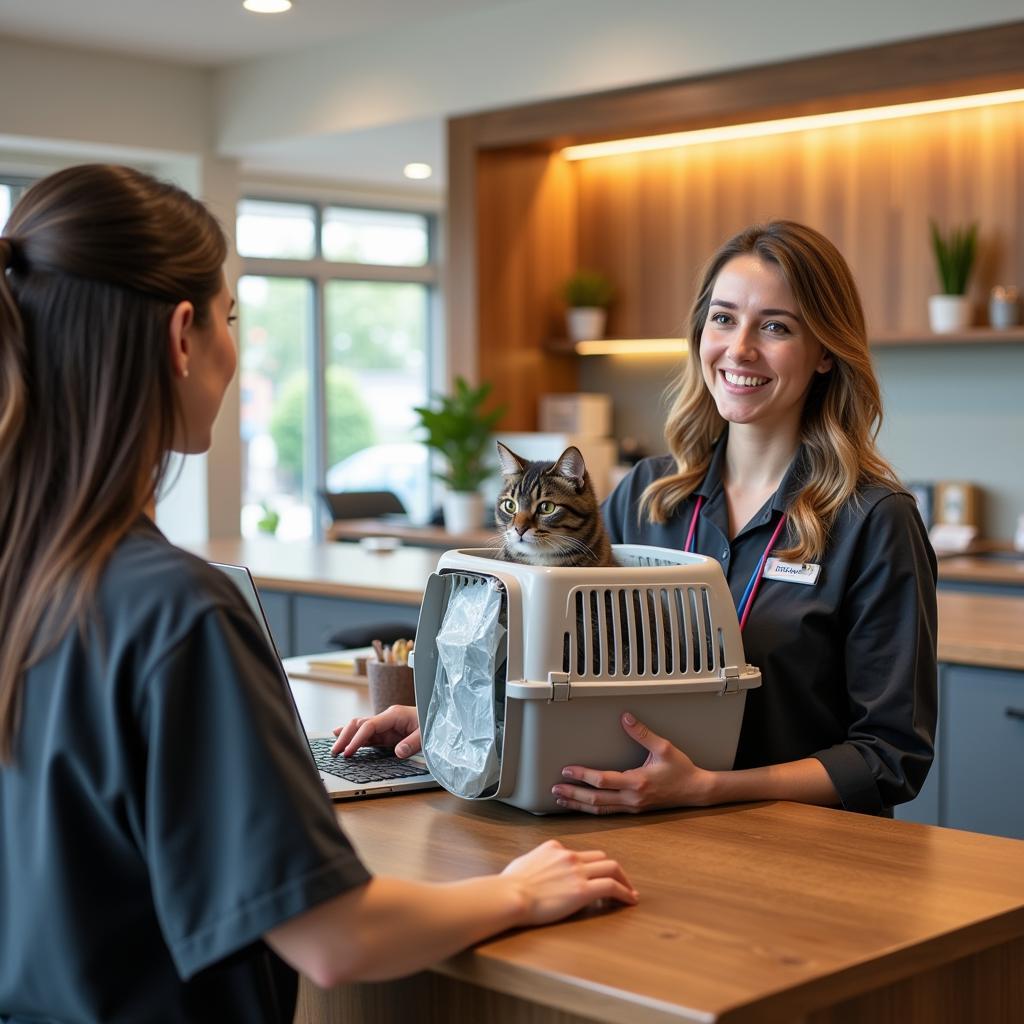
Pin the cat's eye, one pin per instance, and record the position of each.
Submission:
(545, 508)
(508, 506)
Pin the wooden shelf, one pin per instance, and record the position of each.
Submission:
(894, 339)
(972, 336)
(563, 346)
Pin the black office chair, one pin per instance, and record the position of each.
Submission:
(363, 635)
(366, 505)
(361, 504)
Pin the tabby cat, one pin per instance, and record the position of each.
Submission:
(548, 514)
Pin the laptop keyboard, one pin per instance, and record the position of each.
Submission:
(367, 764)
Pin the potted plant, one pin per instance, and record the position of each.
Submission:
(270, 519)
(460, 430)
(588, 293)
(954, 257)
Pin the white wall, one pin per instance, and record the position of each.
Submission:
(951, 413)
(535, 50)
(66, 106)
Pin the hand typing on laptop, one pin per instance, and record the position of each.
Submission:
(396, 727)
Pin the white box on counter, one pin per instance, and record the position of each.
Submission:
(583, 413)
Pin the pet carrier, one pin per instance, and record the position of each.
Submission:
(520, 670)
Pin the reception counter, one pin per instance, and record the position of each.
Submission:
(974, 629)
(772, 913)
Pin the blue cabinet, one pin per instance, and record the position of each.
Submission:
(925, 808)
(315, 619)
(983, 750)
(302, 623)
(977, 780)
(277, 606)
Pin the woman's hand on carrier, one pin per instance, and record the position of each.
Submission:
(668, 778)
(397, 726)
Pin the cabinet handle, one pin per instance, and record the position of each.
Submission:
(1015, 713)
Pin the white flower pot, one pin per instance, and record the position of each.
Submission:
(463, 511)
(585, 323)
(949, 313)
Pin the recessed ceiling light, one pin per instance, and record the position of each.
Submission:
(267, 6)
(418, 171)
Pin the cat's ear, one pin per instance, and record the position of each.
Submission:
(570, 465)
(511, 464)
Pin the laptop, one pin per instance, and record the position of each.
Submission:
(370, 771)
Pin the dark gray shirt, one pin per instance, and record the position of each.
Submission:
(848, 665)
(162, 811)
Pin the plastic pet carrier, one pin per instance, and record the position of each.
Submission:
(521, 670)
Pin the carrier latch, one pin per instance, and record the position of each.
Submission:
(559, 683)
(730, 680)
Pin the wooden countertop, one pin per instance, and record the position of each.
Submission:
(981, 629)
(975, 569)
(430, 536)
(974, 629)
(329, 570)
(750, 913)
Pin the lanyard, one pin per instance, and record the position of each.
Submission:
(750, 593)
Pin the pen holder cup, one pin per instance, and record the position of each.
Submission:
(389, 684)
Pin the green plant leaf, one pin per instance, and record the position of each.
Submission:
(458, 429)
(954, 256)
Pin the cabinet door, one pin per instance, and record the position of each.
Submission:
(925, 808)
(316, 618)
(983, 750)
(277, 607)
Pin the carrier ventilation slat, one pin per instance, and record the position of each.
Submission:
(641, 632)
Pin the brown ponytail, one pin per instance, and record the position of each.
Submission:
(94, 261)
(12, 358)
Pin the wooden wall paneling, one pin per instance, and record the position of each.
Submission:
(686, 201)
(871, 188)
(525, 241)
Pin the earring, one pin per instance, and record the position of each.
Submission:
(184, 372)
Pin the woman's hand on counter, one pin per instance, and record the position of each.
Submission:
(553, 881)
(668, 778)
(396, 727)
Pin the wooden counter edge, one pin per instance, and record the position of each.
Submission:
(981, 655)
(612, 1005)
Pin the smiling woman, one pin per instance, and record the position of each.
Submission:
(772, 440)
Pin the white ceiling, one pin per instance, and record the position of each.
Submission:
(215, 32)
(348, 91)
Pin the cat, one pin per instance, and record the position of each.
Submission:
(547, 512)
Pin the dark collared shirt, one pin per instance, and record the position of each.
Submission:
(162, 811)
(848, 664)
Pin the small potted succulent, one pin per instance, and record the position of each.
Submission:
(459, 429)
(588, 293)
(954, 257)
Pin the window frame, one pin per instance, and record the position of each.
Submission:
(18, 184)
(320, 272)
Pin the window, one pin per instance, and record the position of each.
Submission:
(10, 192)
(335, 310)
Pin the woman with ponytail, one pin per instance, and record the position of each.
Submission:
(774, 471)
(168, 849)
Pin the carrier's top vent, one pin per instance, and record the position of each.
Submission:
(658, 614)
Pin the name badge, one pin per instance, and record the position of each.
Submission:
(791, 572)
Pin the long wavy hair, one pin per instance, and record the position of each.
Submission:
(93, 261)
(843, 409)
